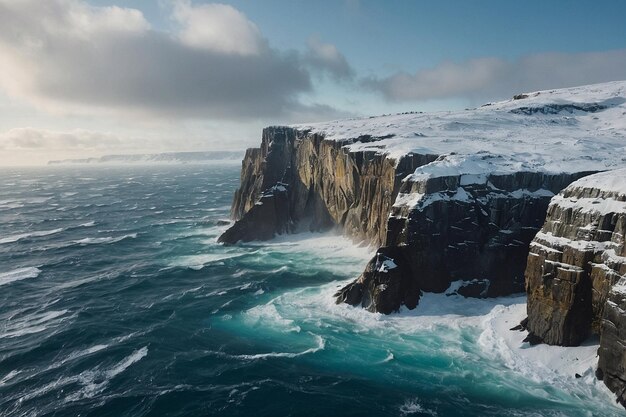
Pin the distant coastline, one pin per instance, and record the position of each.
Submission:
(167, 157)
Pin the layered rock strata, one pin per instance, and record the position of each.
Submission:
(575, 278)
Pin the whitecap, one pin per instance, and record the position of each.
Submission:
(389, 357)
(412, 406)
(9, 377)
(15, 238)
(104, 240)
(93, 381)
(267, 315)
(136, 356)
(200, 261)
(321, 344)
(19, 274)
(33, 323)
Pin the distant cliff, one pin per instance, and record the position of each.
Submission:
(576, 274)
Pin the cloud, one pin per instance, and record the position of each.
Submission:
(327, 58)
(29, 138)
(68, 56)
(489, 78)
(218, 27)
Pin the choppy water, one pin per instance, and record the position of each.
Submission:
(115, 300)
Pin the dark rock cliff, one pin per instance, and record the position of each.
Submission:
(458, 229)
(575, 274)
(299, 181)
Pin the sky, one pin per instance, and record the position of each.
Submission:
(84, 78)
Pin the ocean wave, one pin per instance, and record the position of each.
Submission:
(19, 274)
(413, 406)
(11, 204)
(320, 345)
(198, 262)
(8, 377)
(104, 240)
(15, 238)
(95, 381)
(33, 323)
(92, 381)
(267, 315)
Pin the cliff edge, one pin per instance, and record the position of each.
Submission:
(447, 196)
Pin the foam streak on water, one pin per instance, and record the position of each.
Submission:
(116, 300)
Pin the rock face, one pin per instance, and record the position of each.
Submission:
(447, 196)
(612, 352)
(299, 181)
(576, 271)
(575, 260)
(460, 228)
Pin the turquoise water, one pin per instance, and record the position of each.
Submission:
(115, 300)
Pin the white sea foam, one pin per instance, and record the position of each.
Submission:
(20, 236)
(8, 377)
(389, 358)
(136, 356)
(104, 240)
(32, 323)
(92, 381)
(413, 406)
(18, 275)
(472, 331)
(321, 344)
(96, 380)
(200, 261)
(267, 315)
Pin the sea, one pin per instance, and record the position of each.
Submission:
(116, 300)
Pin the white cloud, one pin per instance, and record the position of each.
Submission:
(68, 57)
(326, 57)
(218, 27)
(491, 78)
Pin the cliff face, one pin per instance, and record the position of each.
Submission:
(446, 196)
(572, 264)
(456, 228)
(299, 181)
(612, 352)
(576, 268)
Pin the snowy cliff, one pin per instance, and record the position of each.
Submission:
(576, 274)
(447, 196)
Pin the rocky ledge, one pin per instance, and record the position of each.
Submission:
(449, 196)
(575, 278)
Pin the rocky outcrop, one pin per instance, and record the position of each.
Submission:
(612, 351)
(455, 228)
(316, 184)
(574, 261)
(575, 278)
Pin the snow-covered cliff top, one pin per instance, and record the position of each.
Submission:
(609, 181)
(565, 130)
